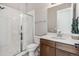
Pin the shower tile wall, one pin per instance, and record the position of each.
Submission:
(9, 38)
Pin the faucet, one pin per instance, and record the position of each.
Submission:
(59, 34)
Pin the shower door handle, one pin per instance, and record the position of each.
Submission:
(21, 34)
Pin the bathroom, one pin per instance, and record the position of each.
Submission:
(38, 29)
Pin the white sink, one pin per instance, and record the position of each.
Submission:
(56, 37)
(63, 39)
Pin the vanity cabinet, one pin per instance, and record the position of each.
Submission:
(66, 50)
(52, 48)
(47, 48)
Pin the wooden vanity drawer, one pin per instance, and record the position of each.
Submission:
(60, 52)
(68, 48)
(47, 42)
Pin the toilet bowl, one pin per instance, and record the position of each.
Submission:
(32, 48)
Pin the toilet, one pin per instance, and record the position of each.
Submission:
(33, 48)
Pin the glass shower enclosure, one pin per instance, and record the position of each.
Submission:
(12, 23)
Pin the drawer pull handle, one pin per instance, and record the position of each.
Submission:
(76, 45)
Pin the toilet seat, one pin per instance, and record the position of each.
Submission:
(32, 48)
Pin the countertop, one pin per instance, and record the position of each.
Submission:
(51, 36)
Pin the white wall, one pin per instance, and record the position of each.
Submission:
(41, 21)
(77, 10)
(52, 20)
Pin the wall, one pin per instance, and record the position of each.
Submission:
(77, 10)
(52, 20)
(41, 21)
(52, 16)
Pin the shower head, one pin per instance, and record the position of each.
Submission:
(1, 7)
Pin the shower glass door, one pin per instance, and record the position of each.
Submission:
(10, 29)
(27, 24)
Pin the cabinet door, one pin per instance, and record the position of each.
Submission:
(61, 53)
(73, 54)
(46, 50)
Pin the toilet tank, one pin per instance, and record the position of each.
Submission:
(37, 39)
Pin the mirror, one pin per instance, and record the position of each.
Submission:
(61, 18)
(75, 20)
(64, 20)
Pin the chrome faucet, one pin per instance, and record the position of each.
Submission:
(59, 34)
